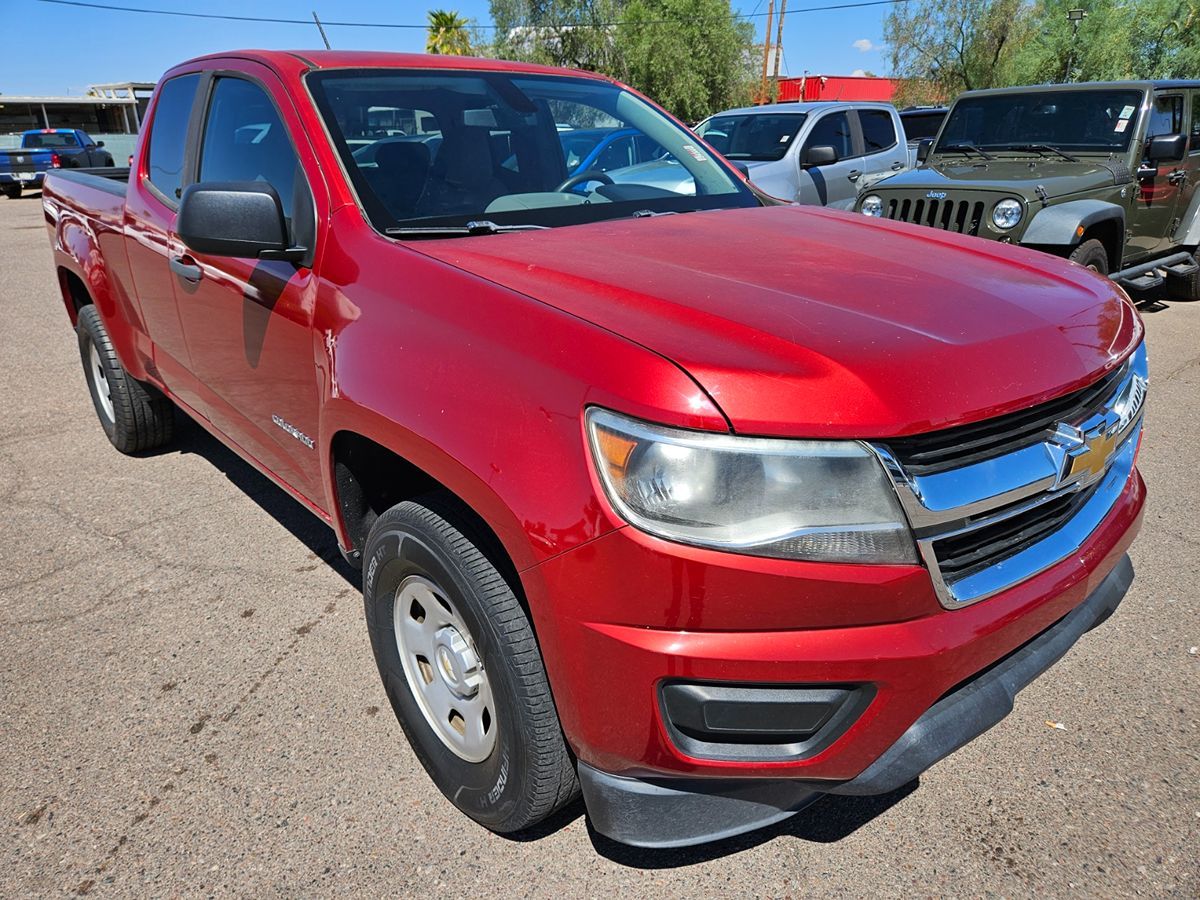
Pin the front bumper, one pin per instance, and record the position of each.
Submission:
(626, 614)
(677, 812)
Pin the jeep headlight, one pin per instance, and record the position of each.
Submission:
(814, 500)
(1007, 213)
(872, 206)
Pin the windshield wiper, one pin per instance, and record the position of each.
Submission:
(479, 226)
(964, 148)
(1043, 149)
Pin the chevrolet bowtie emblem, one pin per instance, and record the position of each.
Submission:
(1087, 455)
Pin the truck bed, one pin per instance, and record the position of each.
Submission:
(95, 194)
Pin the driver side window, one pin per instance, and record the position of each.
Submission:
(832, 130)
(1166, 117)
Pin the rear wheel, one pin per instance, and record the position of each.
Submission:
(12, 191)
(1185, 288)
(134, 417)
(461, 666)
(1091, 255)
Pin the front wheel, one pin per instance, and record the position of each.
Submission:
(461, 666)
(1091, 255)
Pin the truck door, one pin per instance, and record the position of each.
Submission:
(835, 184)
(248, 323)
(150, 206)
(882, 152)
(1189, 194)
(1152, 217)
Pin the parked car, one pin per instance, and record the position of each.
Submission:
(815, 153)
(703, 504)
(1103, 174)
(44, 149)
(920, 123)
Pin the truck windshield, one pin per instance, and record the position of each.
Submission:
(753, 136)
(432, 152)
(1085, 121)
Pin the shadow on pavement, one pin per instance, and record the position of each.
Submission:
(827, 821)
(273, 500)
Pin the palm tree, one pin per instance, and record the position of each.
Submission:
(447, 34)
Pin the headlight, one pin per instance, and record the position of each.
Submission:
(1007, 213)
(815, 500)
(872, 206)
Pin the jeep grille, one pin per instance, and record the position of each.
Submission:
(963, 216)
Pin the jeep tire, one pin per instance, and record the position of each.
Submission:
(1091, 255)
(461, 666)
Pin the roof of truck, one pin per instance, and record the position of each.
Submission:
(374, 59)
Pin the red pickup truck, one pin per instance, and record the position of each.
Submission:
(698, 503)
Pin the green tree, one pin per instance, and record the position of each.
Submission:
(691, 56)
(447, 34)
(942, 47)
(1117, 40)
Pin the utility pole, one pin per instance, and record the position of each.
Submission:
(1074, 16)
(762, 88)
(779, 40)
(321, 28)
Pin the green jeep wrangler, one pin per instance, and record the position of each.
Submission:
(1103, 174)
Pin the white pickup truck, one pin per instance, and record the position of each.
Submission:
(821, 154)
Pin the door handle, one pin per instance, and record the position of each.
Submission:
(897, 166)
(185, 268)
(1177, 177)
(854, 174)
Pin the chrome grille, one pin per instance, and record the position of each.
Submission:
(962, 216)
(994, 503)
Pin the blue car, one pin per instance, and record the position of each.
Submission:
(48, 148)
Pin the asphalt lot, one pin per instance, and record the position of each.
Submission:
(188, 703)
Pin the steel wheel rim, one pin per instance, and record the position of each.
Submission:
(443, 669)
(100, 385)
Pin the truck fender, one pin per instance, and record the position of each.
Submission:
(1063, 225)
(1188, 233)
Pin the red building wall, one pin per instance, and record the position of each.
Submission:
(836, 87)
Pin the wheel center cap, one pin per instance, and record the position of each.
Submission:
(456, 662)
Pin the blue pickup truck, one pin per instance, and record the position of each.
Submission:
(44, 149)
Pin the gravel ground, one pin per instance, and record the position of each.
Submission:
(188, 703)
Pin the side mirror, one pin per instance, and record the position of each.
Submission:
(99, 143)
(242, 219)
(821, 155)
(1166, 148)
(923, 149)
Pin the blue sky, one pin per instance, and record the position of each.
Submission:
(61, 49)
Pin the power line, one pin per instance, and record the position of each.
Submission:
(422, 27)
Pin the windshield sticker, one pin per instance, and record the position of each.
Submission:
(1122, 125)
(1127, 112)
(695, 153)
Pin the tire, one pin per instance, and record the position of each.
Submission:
(1184, 288)
(134, 417)
(1091, 255)
(12, 191)
(428, 579)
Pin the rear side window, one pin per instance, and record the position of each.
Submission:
(244, 140)
(833, 131)
(919, 126)
(877, 129)
(168, 134)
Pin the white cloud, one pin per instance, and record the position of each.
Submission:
(859, 73)
(864, 45)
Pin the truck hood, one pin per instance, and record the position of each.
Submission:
(800, 321)
(1020, 177)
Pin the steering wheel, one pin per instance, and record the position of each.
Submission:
(581, 177)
